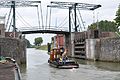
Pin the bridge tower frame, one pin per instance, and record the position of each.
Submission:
(74, 6)
(13, 4)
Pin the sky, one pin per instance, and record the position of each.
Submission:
(106, 12)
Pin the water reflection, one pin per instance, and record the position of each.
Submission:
(101, 65)
(38, 69)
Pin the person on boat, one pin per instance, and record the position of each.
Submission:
(56, 58)
(62, 50)
(55, 53)
(52, 55)
(64, 56)
(58, 54)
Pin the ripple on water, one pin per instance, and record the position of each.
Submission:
(38, 69)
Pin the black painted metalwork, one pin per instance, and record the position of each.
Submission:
(15, 4)
(66, 5)
(73, 5)
(18, 3)
(13, 7)
(69, 20)
(45, 31)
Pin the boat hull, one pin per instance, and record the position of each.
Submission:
(69, 64)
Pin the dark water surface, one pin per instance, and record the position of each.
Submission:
(38, 69)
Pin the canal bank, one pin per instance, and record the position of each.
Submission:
(13, 47)
(12, 44)
(38, 68)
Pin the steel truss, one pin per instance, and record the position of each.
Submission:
(67, 5)
(8, 4)
(73, 6)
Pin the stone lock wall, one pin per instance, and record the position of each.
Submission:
(110, 49)
(15, 48)
(103, 49)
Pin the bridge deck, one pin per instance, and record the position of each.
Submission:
(44, 31)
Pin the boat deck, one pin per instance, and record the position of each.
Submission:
(7, 71)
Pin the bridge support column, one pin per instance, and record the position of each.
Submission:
(69, 44)
(75, 16)
(14, 25)
(69, 19)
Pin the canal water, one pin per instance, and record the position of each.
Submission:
(38, 69)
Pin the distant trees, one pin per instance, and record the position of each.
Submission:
(28, 43)
(38, 41)
(108, 25)
(117, 19)
(104, 26)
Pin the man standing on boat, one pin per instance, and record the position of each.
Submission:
(62, 50)
(64, 56)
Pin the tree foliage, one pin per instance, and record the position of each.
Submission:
(117, 19)
(38, 41)
(28, 43)
(104, 26)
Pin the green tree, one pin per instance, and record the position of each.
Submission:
(117, 19)
(38, 41)
(104, 26)
(28, 43)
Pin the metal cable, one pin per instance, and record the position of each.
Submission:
(63, 24)
(50, 18)
(38, 16)
(62, 21)
(46, 16)
(73, 22)
(79, 23)
(81, 18)
(23, 19)
(41, 15)
(10, 24)
(8, 18)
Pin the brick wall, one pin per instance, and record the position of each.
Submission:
(15, 48)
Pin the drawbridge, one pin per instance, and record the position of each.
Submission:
(71, 7)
